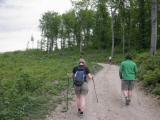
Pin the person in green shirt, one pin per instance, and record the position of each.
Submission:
(127, 73)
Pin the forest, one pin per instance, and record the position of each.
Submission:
(101, 24)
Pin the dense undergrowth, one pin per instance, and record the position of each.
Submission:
(32, 82)
(149, 71)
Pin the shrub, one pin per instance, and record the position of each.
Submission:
(156, 90)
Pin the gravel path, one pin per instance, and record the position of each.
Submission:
(111, 104)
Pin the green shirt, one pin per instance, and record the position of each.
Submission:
(128, 70)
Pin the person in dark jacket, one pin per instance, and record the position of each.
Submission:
(82, 91)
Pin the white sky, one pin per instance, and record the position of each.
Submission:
(19, 19)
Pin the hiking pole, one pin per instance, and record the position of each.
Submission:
(136, 91)
(95, 89)
(67, 89)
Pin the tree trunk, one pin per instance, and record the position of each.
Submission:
(56, 43)
(48, 42)
(154, 27)
(80, 45)
(123, 39)
(112, 27)
(51, 45)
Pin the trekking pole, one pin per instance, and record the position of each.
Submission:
(95, 90)
(67, 89)
(136, 90)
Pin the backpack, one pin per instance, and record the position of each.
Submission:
(79, 76)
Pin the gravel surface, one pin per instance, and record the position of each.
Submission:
(111, 104)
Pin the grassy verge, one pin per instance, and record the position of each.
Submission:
(31, 82)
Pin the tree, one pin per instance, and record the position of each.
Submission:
(85, 17)
(113, 6)
(154, 27)
(49, 25)
(69, 22)
(102, 27)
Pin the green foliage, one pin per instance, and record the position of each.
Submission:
(89, 23)
(102, 29)
(157, 89)
(31, 82)
(151, 77)
(149, 71)
(49, 24)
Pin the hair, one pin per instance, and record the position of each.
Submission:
(81, 60)
(128, 56)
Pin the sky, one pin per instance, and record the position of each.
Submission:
(19, 20)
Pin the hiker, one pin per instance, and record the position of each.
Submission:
(110, 59)
(127, 73)
(81, 74)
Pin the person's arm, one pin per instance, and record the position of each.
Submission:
(89, 75)
(120, 71)
(136, 71)
(73, 72)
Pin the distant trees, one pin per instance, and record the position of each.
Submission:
(92, 24)
(49, 24)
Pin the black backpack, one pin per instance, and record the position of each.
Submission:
(80, 76)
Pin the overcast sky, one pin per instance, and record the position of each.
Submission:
(19, 19)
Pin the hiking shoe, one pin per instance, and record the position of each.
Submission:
(128, 101)
(81, 114)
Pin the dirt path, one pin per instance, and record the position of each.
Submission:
(111, 104)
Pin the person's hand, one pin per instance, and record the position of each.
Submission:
(90, 76)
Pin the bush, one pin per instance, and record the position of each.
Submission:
(149, 72)
(152, 77)
(156, 90)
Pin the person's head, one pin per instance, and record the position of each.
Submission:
(82, 61)
(128, 56)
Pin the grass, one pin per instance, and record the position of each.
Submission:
(32, 82)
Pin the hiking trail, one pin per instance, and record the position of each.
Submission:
(111, 104)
